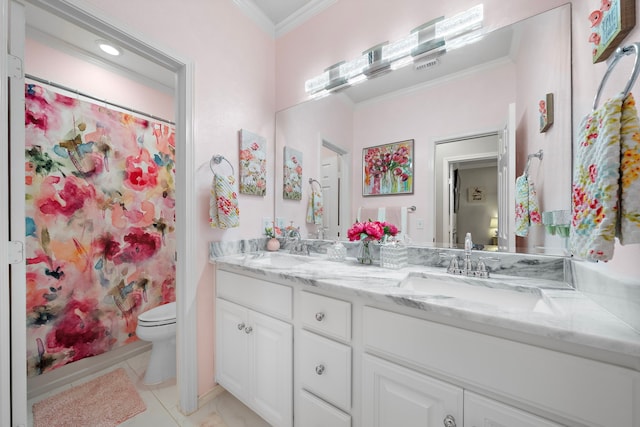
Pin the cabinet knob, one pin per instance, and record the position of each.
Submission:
(240, 326)
(248, 330)
(449, 421)
(319, 316)
(320, 369)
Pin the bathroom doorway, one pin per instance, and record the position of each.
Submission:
(182, 71)
(335, 174)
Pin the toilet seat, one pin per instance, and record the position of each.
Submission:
(158, 316)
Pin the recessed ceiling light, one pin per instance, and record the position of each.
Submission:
(108, 48)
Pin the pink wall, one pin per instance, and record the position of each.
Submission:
(234, 88)
(68, 70)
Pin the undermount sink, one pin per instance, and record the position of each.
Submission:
(278, 259)
(486, 292)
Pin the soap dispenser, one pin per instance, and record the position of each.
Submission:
(468, 246)
(337, 252)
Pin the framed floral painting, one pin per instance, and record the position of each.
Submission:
(253, 164)
(292, 182)
(388, 169)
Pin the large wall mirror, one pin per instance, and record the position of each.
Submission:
(474, 117)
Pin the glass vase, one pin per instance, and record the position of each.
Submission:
(364, 255)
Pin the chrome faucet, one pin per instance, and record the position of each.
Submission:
(467, 265)
(297, 247)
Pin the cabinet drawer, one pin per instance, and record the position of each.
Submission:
(567, 385)
(325, 369)
(260, 295)
(326, 315)
(314, 412)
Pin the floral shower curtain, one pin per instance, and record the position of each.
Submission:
(100, 220)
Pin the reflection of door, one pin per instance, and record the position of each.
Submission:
(330, 194)
(506, 183)
(336, 196)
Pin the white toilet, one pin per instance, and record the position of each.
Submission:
(158, 326)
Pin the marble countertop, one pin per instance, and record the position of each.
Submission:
(566, 320)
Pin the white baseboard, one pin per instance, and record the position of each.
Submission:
(82, 368)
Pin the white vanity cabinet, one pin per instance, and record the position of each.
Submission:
(254, 350)
(396, 396)
(565, 388)
(324, 361)
(480, 411)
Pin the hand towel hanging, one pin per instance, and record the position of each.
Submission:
(595, 183)
(527, 209)
(628, 229)
(315, 208)
(223, 203)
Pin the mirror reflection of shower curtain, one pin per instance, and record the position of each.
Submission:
(456, 191)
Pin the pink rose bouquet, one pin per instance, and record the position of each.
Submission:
(371, 230)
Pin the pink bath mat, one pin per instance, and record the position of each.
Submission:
(102, 402)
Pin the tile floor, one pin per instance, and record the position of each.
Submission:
(217, 409)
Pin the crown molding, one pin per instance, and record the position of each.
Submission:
(301, 15)
(249, 8)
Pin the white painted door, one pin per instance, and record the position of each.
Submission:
(395, 396)
(506, 183)
(331, 195)
(480, 411)
(271, 351)
(232, 348)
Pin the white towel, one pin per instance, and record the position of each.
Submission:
(629, 225)
(223, 203)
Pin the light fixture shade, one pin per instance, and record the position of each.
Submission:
(461, 23)
(494, 222)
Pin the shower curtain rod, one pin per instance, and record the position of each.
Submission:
(113, 104)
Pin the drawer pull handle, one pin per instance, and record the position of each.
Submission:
(240, 326)
(449, 421)
(320, 369)
(319, 316)
(248, 330)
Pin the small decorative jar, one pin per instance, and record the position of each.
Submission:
(393, 255)
(273, 244)
(337, 252)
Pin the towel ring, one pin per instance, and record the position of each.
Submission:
(311, 181)
(216, 160)
(619, 53)
(539, 155)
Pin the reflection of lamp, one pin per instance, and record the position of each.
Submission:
(493, 230)
(435, 37)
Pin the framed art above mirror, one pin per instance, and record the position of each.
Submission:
(466, 92)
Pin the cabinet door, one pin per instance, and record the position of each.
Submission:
(271, 368)
(232, 348)
(395, 396)
(315, 412)
(480, 411)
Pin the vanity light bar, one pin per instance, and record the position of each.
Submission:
(461, 23)
(392, 56)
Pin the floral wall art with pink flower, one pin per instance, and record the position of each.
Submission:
(100, 221)
(388, 169)
(253, 164)
(292, 182)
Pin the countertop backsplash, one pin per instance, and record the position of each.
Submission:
(511, 264)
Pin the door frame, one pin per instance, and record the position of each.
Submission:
(344, 170)
(79, 13)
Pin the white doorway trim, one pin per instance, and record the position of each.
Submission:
(79, 13)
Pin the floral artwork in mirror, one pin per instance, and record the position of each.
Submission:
(388, 169)
(545, 107)
(292, 182)
(253, 164)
